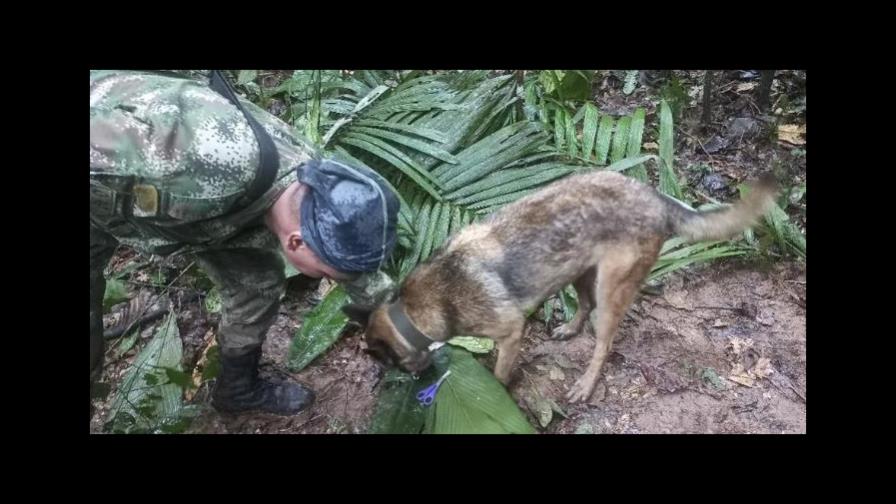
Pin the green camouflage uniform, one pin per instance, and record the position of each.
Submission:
(168, 158)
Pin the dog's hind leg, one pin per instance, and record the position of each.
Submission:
(619, 276)
(585, 291)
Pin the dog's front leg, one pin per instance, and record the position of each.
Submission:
(508, 350)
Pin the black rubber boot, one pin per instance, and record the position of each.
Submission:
(239, 388)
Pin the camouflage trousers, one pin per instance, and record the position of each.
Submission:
(251, 282)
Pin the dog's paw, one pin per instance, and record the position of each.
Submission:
(564, 332)
(581, 391)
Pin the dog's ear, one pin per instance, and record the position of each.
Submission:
(357, 314)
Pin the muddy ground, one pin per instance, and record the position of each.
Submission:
(718, 348)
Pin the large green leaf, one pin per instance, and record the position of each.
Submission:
(589, 131)
(145, 400)
(491, 154)
(407, 141)
(677, 254)
(397, 410)
(469, 401)
(473, 344)
(635, 136)
(529, 179)
(321, 328)
(620, 139)
(668, 180)
(785, 232)
(604, 132)
(395, 157)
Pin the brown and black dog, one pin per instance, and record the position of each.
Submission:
(600, 231)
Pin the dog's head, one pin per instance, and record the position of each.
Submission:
(384, 342)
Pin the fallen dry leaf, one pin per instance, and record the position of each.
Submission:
(557, 374)
(761, 369)
(746, 86)
(744, 380)
(651, 146)
(738, 345)
(209, 339)
(792, 134)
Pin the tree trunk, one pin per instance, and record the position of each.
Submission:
(707, 98)
(765, 87)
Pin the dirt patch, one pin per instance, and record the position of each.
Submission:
(681, 359)
(670, 370)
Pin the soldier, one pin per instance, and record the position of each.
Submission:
(179, 165)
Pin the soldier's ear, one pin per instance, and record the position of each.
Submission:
(294, 241)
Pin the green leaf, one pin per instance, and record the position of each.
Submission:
(668, 181)
(635, 136)
(620, 139)
(422, 225)
(589, 131)
(362, 104)
(398, 411)
(408, 142)
(213, 301)
(456, 220)
(312, 126)
(525, 179)
(569, 301)
(604, 132)
(427, 133)
(472, 401)
(674, 257)
(442, 226)
(179, 378)
(559, 128)
(321, 328)
(785, 233)
(394, 157)
(115, 293)
(164, 350)
(625, 164)
(212, 364)
(571, 143)
(484, 158)
(493, 203)
(430, 236)
(127, 343)
(473, 344)
(246, 76)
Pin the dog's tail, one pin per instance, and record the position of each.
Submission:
(723, 223)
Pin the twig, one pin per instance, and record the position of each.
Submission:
(708, 198)
(719, 308)
(698, 142)
(146, 318)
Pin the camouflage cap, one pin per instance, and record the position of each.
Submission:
(349, 215)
